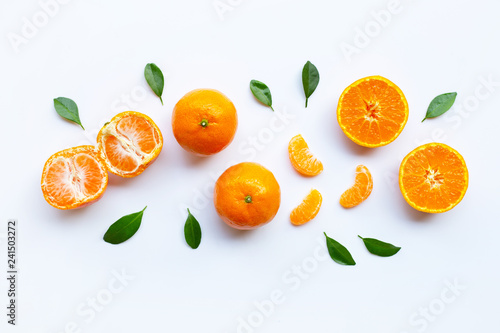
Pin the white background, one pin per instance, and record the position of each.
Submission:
(95, 51)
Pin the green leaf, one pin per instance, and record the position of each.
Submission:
(262, 93)
(192, 231)
(338, 252)
(124, 228)
(67, 109)
(440, 105)
(380, 248)
(310, 79)
(154, 77)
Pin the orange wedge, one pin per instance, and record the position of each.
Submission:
(302, 159)
(433, 178)
(129, 143)
(372, 111)
(363, 185)
(308, 209)
(74, 178)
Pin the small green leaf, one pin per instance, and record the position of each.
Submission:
(380, 248)
(310, 79)
(262, 93)
(338, 252)
(154, 77)
(67, 109)
(124, 228)
(440, 105)
(192, 231)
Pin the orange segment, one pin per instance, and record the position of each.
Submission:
(308, 209)
(433, 178)
(302, 159)
(74, 177)
(363, 185)
(372, 111)
(129, 143)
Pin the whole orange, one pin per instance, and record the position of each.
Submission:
(204, 121)
(247, 196)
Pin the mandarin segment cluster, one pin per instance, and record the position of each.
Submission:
(129, 143)
(74, 177)
(77, 177)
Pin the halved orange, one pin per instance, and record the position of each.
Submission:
(74, 178)
(302, 159)
(433, 178)
(308, 209)
(129, 143)
(372, 111)
(363, 185)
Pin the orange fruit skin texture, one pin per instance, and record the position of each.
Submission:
(433, 178)
(372, 111)
(207, 105)
(129, 143)
(308, 208)
(359, 192)
(235, 185)
(302, 159)
(74, 178)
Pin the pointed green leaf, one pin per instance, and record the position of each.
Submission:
(440, 105)
(380, 248)
(338, 252)
(192, 231)
(310, 79)
(262, 93)
(154, 77)
(124, 228)
(67, 109)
